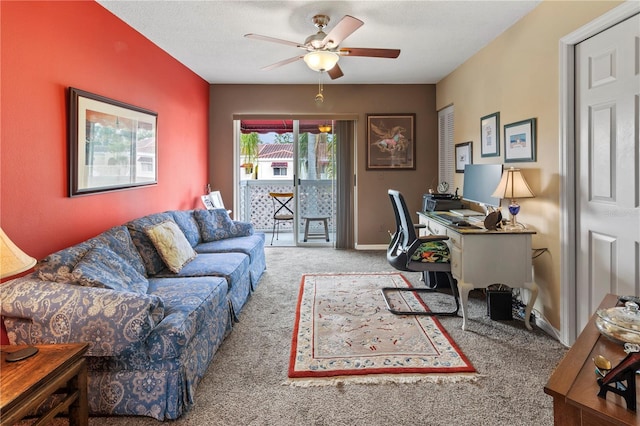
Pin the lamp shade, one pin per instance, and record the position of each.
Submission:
(321, 60)
(512, 185)
(12, 259)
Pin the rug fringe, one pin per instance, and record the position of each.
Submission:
(377, 379)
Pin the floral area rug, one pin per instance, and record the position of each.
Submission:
(343, 333)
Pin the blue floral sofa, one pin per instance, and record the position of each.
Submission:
(154, 298)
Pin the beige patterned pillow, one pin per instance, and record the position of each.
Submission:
(171, 244)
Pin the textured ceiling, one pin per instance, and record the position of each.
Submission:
(207, 36)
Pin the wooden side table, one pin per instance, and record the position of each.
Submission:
(573, 384)
(54, 369)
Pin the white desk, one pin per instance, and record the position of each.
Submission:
(480, 258)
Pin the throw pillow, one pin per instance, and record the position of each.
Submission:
(151, 259)
(119, 240)
(188, 224)
(217, 225)
(58, 266)
(102, 267)
(172, 245)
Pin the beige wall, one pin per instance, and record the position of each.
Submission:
(375, 215)
(517, 75)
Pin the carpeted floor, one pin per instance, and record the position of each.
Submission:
(245, 384)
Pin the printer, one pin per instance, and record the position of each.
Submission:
(440, 202)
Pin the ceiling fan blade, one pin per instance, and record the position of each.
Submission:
(335, 72)
(372, 53)
(273, 40)
(342, 30)
(281, 63)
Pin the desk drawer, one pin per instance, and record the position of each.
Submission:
(455, 238)
(456, 263)
(435, 228)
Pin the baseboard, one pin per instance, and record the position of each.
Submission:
(543, 325)
(371, 246)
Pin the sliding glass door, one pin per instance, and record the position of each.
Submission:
(288, 156)
(316, 182)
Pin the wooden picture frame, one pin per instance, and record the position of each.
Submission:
(464, 155)
(391, 141)
(112, 145)
(490, 135)
(520, 141)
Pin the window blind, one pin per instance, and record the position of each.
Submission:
(446, 155)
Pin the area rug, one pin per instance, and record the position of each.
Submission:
(343, 333)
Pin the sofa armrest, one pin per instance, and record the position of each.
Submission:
(112, 322)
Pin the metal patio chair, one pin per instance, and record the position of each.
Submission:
(282, 211)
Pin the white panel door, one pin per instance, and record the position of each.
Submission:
(607, 166)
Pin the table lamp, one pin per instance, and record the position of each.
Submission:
(12, 259)
(12, 262)
(512, 185)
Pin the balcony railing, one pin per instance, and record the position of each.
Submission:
(316, 198)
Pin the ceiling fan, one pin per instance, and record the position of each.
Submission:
(323, 50)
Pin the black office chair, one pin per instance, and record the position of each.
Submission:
(426, 254)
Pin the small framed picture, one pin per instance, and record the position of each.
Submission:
(520, 141)
(490, 135)
(464, 155)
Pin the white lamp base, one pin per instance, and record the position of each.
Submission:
(513, 227)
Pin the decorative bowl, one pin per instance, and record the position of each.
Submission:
(621, 324)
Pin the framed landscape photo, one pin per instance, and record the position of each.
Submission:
(520, 141)
(112, 145)
(490, 135)
(464, 155)
(391, 141)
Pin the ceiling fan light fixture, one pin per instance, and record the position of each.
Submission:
(321, 60)
(322, 51)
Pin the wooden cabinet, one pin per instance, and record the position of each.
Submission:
(573, 384)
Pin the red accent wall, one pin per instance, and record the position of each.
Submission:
(49, 46)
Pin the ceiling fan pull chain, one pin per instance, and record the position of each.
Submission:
(319, 96)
